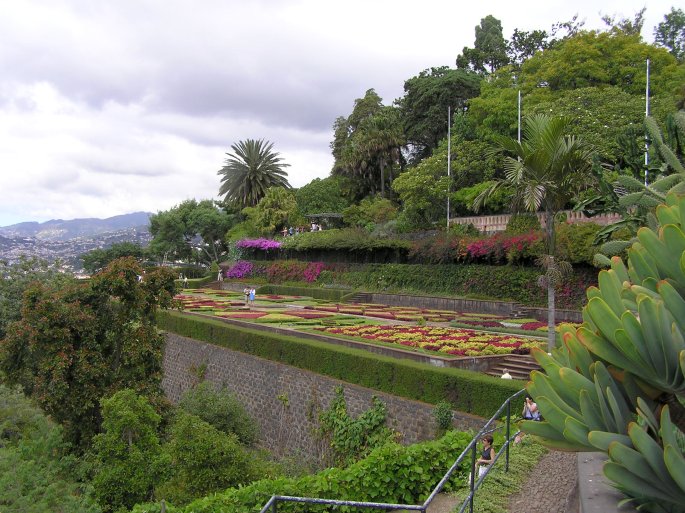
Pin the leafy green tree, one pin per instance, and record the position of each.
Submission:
(670, 33)
(203, 460)
(127, 453)
(523, 45)
(221, 409)
(627, 26)
(592, 59)
(250, 170)
(80, 342)
(276, 210)
(320, 196)
(36, 472)
(425, 103)
(366, 144)
(191, 225)
(15, 279)
(489, 51)
(370, 211)
(545, 171)
(97, 259)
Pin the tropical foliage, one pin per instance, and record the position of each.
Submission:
(545, 171)
(617, 384)
(250, 170)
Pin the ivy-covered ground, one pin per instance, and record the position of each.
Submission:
(423, 330)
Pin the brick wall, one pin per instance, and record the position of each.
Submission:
(285, 400)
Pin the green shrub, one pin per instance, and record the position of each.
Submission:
(353, 438)
(522, 223)
(392, 473)
(36, 472)
(443, 416)
(575, 242)
(468, 391)
(202, 460)
(219, 408)
(127, 453)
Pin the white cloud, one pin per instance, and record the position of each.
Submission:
(114, 107)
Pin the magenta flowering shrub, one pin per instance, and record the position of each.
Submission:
(502, 246)
(260, 244)
(312, 271)
(241, 269)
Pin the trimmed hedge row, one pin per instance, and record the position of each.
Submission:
(195, 283)
(502, 282)
(315, 292)
(467, 391)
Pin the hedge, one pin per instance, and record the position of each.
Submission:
(504, 282)
(195, 283)
(314, 292)
(467, 391)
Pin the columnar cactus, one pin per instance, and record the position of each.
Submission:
(617, 384)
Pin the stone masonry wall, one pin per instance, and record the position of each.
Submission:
(285, 400)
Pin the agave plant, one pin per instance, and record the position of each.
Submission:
(617, 384)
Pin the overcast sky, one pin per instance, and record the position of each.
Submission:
(121, 106)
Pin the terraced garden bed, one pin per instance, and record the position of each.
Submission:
(362, 322)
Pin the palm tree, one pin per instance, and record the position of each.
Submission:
(250, 171)
(545, 171)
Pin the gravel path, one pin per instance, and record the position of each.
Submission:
(551, 487)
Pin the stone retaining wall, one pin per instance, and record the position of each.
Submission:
(285, 400)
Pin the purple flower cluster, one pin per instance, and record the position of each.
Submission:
(241, 269)
(263, 244)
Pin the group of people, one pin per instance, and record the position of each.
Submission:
(184, 279)
(294, 231)
(249, 295)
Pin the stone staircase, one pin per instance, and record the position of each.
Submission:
(519, 366)
(361, 297)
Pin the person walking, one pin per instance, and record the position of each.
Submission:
(252, 295)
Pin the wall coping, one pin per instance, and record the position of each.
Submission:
(595, 493)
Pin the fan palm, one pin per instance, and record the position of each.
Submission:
(250, 171)
(544, 171)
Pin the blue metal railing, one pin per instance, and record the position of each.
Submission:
(474, 484)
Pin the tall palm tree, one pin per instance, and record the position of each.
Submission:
(545, 171)
(250, 171)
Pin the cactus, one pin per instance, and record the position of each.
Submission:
(617, 384)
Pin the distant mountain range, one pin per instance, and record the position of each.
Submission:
(61, 230)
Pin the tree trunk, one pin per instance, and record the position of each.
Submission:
(382, 166)
(551, 328)
(551, 331)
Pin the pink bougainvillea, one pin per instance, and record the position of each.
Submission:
(261, 244)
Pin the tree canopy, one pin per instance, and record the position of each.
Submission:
(250, 170)
(78, 342)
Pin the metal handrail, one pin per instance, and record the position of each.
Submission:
(473, 484)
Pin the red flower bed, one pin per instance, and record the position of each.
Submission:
(242, 315)
(306, 315)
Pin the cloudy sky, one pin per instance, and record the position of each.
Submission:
(110, 107)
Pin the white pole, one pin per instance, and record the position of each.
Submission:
(519, 133)
(646, 137)
(449, 162)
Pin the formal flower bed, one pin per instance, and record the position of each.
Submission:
(452, 341)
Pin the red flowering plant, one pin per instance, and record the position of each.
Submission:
(313, 270)
(452, 341)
